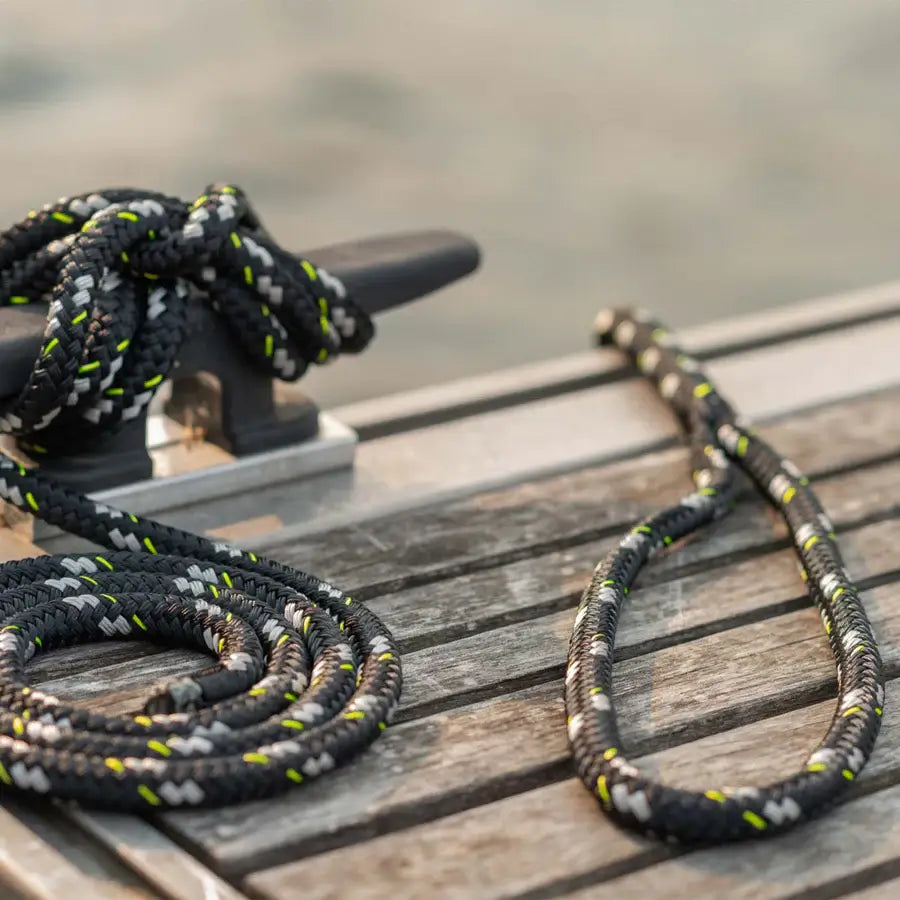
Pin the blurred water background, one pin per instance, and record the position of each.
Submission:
(700, 158)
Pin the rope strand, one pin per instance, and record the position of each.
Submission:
(721, 449)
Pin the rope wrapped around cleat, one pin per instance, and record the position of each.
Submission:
(117, 267)
(304, 676)
(721, 450)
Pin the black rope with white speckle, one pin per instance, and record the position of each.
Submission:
(305, 677)
(116, 268)
(721, 449)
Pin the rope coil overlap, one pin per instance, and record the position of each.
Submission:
(304, 676)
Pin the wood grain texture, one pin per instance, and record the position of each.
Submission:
(43, 859)
(539, 583)
(677, 587)
(446, 540)
(386, 415)
(121, 686)
(657, 613)
(585, 428)
(70, 661)
(523, 592)
(482, 599)
(160, 862)
(554, 839)
(831, 854)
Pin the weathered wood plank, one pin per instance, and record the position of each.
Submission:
(555, 839)
(447, 610)
(449, 539)
(43, 859)
(495, 449)
(885, 890)
(858, 837)
(120, 687)
(479, 853)
(60, 664)
(539, 644)
(177, 875)
(439, 403)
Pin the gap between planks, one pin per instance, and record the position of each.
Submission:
(57, 863)
(686, 570)
(475, 595)
(496, 527)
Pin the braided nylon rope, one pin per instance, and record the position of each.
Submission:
(721, 449)
(116, 266)
(305, 677)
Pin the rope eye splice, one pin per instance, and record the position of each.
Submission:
(721, 449)
(305, 677)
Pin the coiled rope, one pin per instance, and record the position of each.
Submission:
(721, 448)
(305, 677)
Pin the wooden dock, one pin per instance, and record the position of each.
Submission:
(471, 526)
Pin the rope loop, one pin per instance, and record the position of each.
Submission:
(722, 451)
